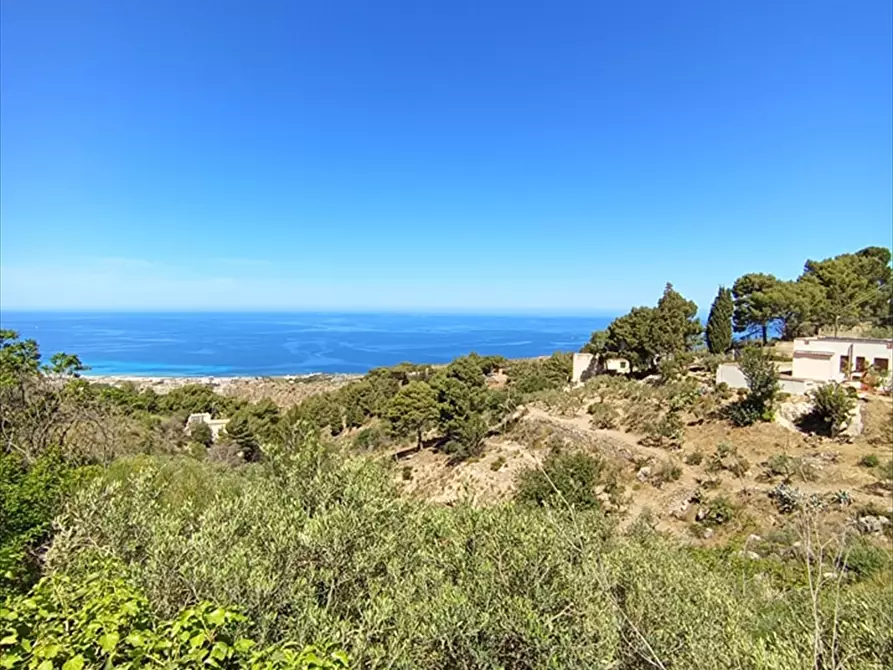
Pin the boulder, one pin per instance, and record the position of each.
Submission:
(871, 524)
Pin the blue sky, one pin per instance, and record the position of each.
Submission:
(453, 155)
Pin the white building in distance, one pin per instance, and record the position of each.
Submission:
(216, 425)
(586, 365)
(820, 360)
(840, 359)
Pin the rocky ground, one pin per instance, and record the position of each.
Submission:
(744, 466)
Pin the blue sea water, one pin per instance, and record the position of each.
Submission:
(255, 344)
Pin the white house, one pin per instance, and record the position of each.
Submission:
(586, 365)
(819, 360)
(840, 358)
(216, 425)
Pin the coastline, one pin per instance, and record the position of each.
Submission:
(285, 390)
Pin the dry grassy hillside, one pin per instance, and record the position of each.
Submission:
(714, 465)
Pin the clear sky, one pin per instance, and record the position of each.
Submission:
(439, 155)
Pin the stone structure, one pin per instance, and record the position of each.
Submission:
(216, 425)
(586, 365)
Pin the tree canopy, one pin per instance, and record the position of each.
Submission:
(647, 334)
(719, 323)
(413, 409)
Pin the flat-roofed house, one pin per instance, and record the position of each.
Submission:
(839, 359)
(819, 360)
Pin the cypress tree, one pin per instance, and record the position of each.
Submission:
(719, 323)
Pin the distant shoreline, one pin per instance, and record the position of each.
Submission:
(285, 389)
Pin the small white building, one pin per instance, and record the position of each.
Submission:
(586, 365)
(216, 425)
(819, 360)
(840, 359)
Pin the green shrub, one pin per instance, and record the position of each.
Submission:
(833, 406)
(716, 512)
(497, 463)
(726, 458)
(99, 620)
(603, 416)
(200, 432)
(666, 432)
(886, 470)
(30, 496)
(694, 458)
(406, 473)
(371, 438)
(780, 465)
(667, 471)
(565, 478)
(761, 376)
(869, 461)
(541, 374)
(864, 560)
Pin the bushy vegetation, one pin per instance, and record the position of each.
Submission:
(127, 540)
(31, 494)
(566, 478)
(98, 619)
(763, 389)
(833, 406)
(426, 586)
(836, 292)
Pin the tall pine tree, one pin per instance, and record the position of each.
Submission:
(719, 323)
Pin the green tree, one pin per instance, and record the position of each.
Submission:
(797, 305)
(675, 328)
(719, 323)
(761, 376)
(598, 343)
(413, 409)
(630, 336)
(857, 287)
(37, 402)
(238, 429)
(755, 305)
(200, 432)
(833, 405)
(646, 334)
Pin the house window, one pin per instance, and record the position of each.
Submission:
(623, 363)
(860, 363)
(881, 364)
(845, 364)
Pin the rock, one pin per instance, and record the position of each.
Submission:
(644, 473)
(680, 504)
(708, 533)
(789, 413)
(829, 575)
(854, 426)
(753, 539)
(752, 555)
(871, 524)
(677, 510)
(729, 463)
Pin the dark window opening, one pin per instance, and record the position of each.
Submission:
(845, 364)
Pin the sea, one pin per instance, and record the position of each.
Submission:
(271, 344)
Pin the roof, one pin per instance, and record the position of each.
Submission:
(810, 353)
(870, 340)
